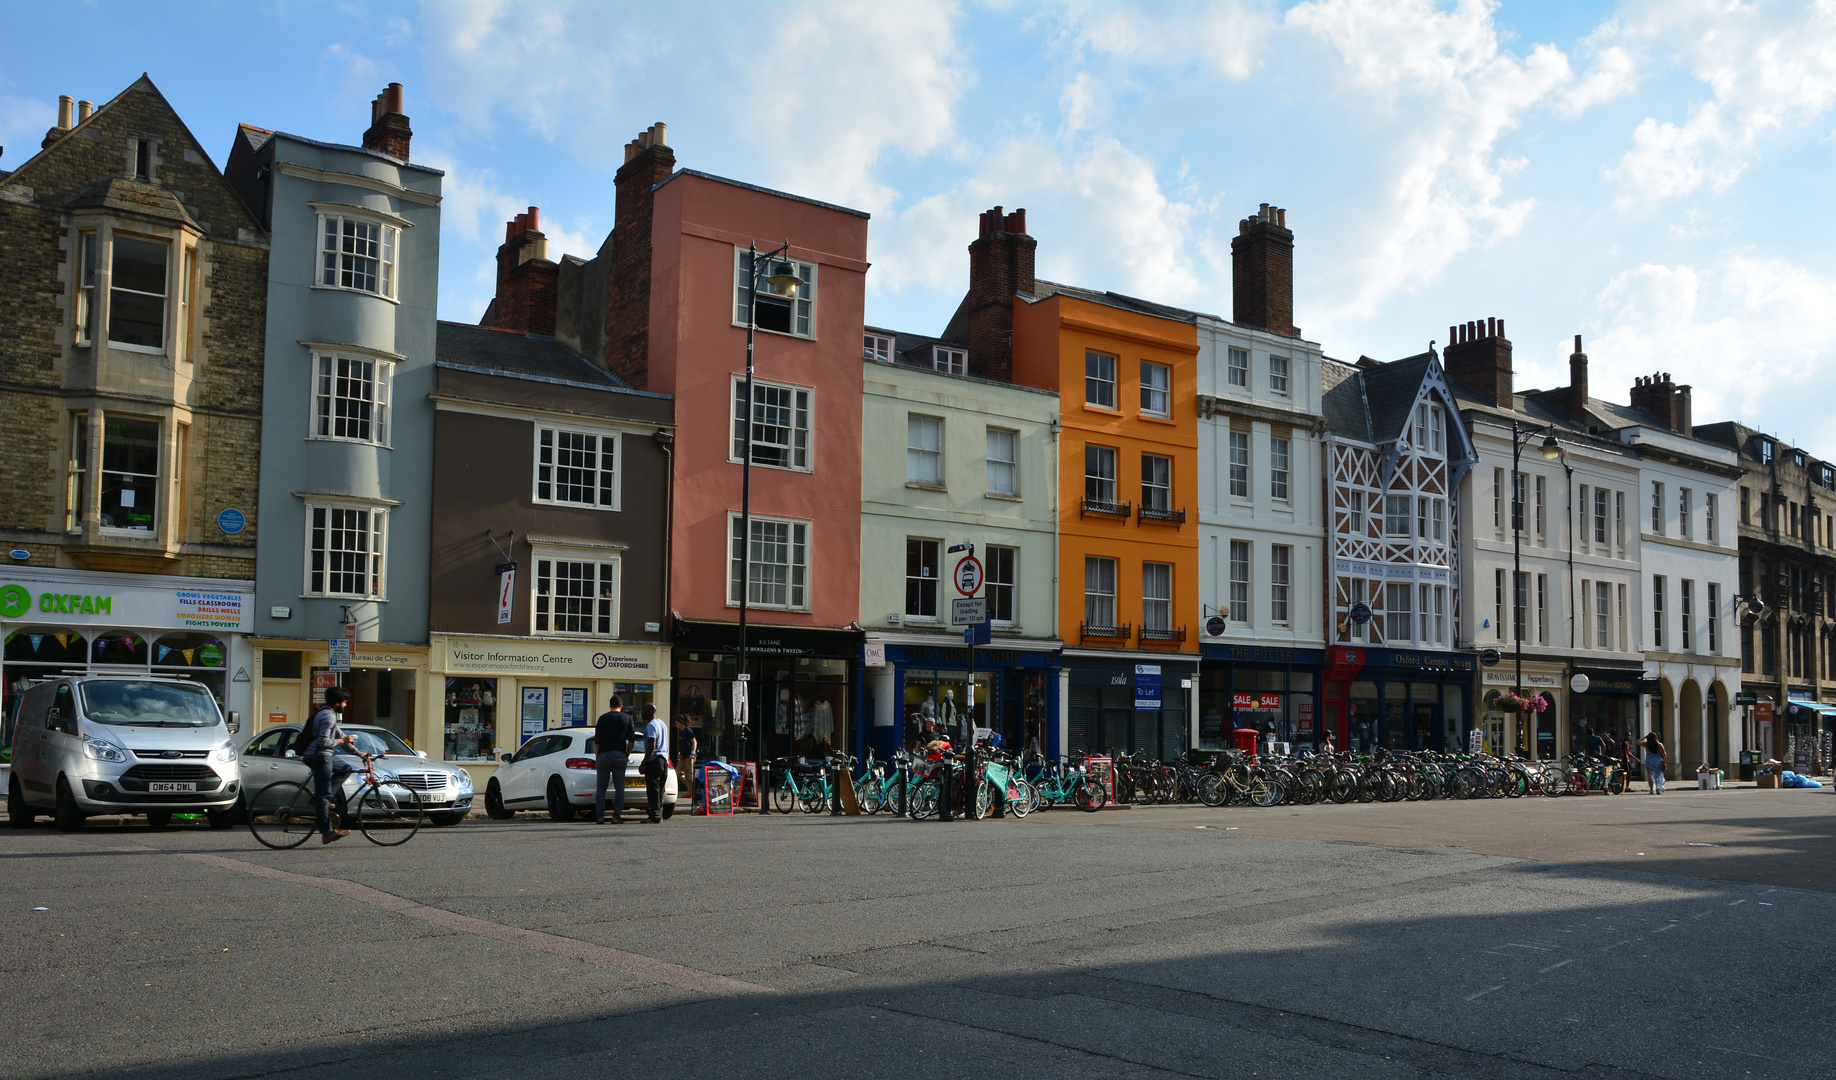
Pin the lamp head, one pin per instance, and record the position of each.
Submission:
(784, 280)
(1551, 448)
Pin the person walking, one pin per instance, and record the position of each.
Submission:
(1655, 758)
(656, 760)
(686, 745)
(1596, 746)
(612, 737)
(319, 743)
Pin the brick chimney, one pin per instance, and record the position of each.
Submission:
(648, 162)
(389, 132)
(1000, 265)
(1262, 272)
(1660, 397)
(1571, 399)
(1478, 356)
(526, 278)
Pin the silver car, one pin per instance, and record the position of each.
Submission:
(446, 790)
(112, 744)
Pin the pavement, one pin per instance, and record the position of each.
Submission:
(1690, 934)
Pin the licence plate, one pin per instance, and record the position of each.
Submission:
(637, 783)
(171, 786)
(433, 796)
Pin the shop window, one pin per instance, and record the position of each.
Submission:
(471, 719)
(281, 664)
(576, 596)
(121, 647)
(130, 473)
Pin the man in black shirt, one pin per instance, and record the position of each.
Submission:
(612, 737)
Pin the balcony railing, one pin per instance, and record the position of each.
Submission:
(1150, 513)
(1105, 508)
(1091, 630)
(1172, 633)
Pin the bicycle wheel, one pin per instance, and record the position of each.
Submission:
(984, 800)
(1211, 789)
(784, 796)
(815, 800)
(924, 800)
(281, 815)
(388, 813)
(1029, 800)
(1264, 793)
(1088, 796)
(1616, 782)
(870, 795)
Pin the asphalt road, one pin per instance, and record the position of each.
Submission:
(1523, 938)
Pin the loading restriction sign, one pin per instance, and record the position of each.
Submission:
(969, 575)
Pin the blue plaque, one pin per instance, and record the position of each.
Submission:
(232, 521)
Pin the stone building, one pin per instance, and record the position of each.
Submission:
(133, 293)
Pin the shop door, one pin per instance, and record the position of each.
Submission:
(1425, 726)
(1545, 727)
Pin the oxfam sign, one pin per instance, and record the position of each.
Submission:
(192, 606)
(15, 601)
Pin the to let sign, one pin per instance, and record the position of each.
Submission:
(1147, 686)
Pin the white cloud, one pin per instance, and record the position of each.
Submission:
(1451, 93)
(1227, 38)
(1612, 75)
(473, 212)
(1769, 67)
(1756, 337)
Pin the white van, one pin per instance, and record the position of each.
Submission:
(116, 744)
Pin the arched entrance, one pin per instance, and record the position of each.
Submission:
(1662, 721)
(1721, 737)
(1690, 748)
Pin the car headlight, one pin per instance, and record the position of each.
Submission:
(224, 753)
(463, 782)
(102, 751)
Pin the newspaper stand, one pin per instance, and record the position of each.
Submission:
(1102, 770)
(716, 790)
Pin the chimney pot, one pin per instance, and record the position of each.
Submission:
(65, 103)
(85, 109)
(535, 219)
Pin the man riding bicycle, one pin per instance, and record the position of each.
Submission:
(318, 750)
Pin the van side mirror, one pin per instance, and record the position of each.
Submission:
(57, 721)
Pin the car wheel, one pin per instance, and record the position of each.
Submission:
(159, 819)
(669, 811)
(559, 808)
(68, 817)
(446, 819)
(18, 814)
(494, 803)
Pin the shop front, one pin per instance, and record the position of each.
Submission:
(1537, 734)
(1128, 704)
(1604, 700)
(62, 622)
(800, 691)
(385, 684)
(1399, 699)
(1808, 728)
(493, 694)
(1016, 695)
(1274, 690)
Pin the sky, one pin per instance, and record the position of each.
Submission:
(1654, 176)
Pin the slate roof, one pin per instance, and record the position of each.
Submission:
(1044, 289)
(1344, 409)
(1390, 392)
(508, 352)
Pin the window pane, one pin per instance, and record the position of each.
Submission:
(1100, 379)
(921, 578)
(1002, 455)
(130, 473)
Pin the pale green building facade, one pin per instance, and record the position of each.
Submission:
(951, 459)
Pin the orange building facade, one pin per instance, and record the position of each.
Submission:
(1127, 377)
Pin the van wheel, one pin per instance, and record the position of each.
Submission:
(558, 807)
(494, 804)
(67, 816)
(159, 819)
(18, 814)
(225, 819)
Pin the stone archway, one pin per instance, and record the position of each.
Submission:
(1663, 720)
(1691, 747)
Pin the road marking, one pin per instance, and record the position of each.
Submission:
(1023, 1050)
(1666, 926)
(1482, 993)
(585, 952)
(1557, 964)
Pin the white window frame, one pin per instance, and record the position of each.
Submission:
(924, 464)
(802, 306)
(323, 394)
(1113, 480)
(1281, 576)
(1359, 591)
(1713, 623)
(1160, 391)
(1439, 506)
(1094, 600)
(1683, 523)
(1239, 469)
(874, 347)
(1237, 367)
(1396, 516)
(165, 297)
(1603, 615)
(949, 361)
(376, 528)
(605, 611)
(1010, 583)
(802, 398)
(1440, 614)
(1097, 381)
(1398, 612)
(1686, 612)
(1279, 375)
(934, 579)
(1657, 508)
(797, 576)
(1241, 555)
(1356, 501)
(1011, 462)
(604, 487)
(1156, 604)
(329, 268)
(1148, 482)
(1711, 513)
(1281, 455)
(88, 254)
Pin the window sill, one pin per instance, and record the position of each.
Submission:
(1106, 410)
(923, 620)
(734, 604)
(144, 350)
(350, 442)
(1156, 418)
(342, 598)
(1002, 495)
(734, 460)
(572, 505)
(356, 292)
(779, 333)
(920, 485)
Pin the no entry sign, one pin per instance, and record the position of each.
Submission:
(969, 575)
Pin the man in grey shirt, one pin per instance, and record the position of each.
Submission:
(656, 761)
(319, 743)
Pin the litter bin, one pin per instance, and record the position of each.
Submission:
(1748, 759)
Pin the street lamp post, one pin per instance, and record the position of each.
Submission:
(1552, 449)
(783, 283)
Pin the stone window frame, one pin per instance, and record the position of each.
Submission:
(185, 280)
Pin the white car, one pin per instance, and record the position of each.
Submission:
(556, 771)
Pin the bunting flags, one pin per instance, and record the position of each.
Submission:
(63, 640)
(186, 653)
(162, 653)
(35, 639)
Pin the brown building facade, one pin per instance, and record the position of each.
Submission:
(133, 295)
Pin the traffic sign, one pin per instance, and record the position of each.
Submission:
(340, 654)
(969, 575)
(970, 612)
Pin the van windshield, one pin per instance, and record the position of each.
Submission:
(147, 704)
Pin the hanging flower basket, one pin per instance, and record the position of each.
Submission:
(1519, 703)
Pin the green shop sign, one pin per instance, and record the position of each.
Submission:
(15, 601)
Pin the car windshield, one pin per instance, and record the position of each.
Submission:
(147, 704)
(375, 741)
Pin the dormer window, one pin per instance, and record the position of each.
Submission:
(1430, 429)
(1765, 451)
(952, 361)
(877, 347)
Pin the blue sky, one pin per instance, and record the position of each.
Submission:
(1655, 175)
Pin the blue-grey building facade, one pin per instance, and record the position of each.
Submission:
(348, 428)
